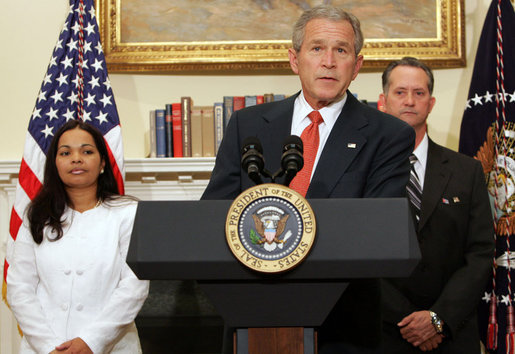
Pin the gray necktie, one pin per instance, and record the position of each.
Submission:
(414, 189)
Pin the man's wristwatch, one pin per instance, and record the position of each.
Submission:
(436, 322)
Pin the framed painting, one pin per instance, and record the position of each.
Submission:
(254, 35)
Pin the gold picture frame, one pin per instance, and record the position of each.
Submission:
(444, 49)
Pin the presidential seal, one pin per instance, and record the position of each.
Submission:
(499, 171)
(270, 228)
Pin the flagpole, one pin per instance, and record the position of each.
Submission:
(80, 73)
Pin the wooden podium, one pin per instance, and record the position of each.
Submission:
(356, 238)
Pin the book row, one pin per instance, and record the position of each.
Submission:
(184, 130)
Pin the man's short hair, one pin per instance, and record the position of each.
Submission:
(329, 13)
(407, 61)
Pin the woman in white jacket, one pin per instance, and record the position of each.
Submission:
(69, 285)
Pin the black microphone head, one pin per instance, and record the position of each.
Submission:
(252, 160)
(251, 142)
(292, 160)
(293, 142)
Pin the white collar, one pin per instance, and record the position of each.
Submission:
(421, 151)
(329, 113)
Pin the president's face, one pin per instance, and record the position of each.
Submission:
(326, 62)
(408, 96)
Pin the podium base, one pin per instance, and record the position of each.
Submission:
(276, 340)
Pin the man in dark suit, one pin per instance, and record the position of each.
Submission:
(435, 308)
(362, 153)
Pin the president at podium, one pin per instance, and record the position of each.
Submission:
(350, 151)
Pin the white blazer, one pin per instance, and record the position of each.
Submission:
(80, 285)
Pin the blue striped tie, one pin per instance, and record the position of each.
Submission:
(414, 189)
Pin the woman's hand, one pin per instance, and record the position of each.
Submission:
(74, 346)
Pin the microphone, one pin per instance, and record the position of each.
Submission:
(252, 160)
(292, 160)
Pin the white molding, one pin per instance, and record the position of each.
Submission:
(182, 164)
(7, 170)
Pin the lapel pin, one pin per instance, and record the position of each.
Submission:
(351, 145)
(445, 201)
(456, 200)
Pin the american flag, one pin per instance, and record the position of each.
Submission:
(488, 134)
(75, 86)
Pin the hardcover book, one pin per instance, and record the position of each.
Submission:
(169, 131)
(152, 133)
(219, 124)
(186, 105)
(250, 101)
(160, 133)
(269, 97)
(238, 103)
(177, 129)
(196, 131)
(228, 103)
(208, 131)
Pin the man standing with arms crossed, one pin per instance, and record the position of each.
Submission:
(359, 152)
(435, 308)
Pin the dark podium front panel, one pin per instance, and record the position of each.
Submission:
(356, 238)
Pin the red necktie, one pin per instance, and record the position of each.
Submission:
(310, 139)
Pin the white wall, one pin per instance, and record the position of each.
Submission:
(30, 30)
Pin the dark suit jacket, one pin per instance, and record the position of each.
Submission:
(455, 235)
(365, 156)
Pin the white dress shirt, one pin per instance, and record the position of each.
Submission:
(420, 165)
(300, 121)
(80, 285)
